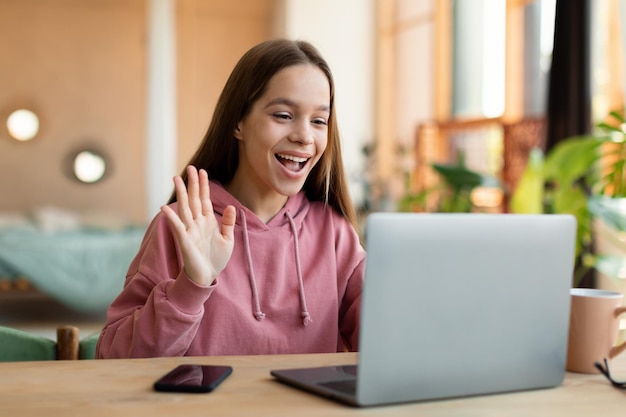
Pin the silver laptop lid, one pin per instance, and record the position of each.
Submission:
(464, 304)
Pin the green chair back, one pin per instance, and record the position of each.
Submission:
(87, 346)
(18, 345)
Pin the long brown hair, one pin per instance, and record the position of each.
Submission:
(218, 153)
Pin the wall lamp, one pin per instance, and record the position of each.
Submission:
(87, 165)
(23, 125)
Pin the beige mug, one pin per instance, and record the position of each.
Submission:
(593, 328)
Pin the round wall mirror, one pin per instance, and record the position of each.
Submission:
(23, 125)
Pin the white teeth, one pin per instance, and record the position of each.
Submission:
(292, 158)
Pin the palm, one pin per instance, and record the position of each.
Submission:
(205, 247)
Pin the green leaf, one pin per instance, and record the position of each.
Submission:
(528, 195)
(458, 177)
(618, 114)
(609, 127)
(572, 159)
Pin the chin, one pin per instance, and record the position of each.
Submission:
(290, 190)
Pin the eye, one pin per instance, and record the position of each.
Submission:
(320, 121)
(281, 116)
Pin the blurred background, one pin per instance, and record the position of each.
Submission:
(115, 96)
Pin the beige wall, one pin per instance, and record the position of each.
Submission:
(212, 36)
(81, 65)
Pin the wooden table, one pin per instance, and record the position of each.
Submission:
(123, 388)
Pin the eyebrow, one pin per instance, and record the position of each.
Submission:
(292, 103)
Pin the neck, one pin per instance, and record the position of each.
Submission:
(264, 205)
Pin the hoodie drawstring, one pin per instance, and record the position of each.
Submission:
(258, 314)
(306, 317)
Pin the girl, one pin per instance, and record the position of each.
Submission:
(257, 251)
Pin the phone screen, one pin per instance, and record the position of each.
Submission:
(193, 378)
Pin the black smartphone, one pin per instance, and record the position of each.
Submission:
(193, 378)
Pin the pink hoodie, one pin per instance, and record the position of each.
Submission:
(292, 285)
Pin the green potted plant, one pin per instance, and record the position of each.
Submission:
(583, 176)
(453, 192)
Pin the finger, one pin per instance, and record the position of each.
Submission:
(228, 223)
(183, 200)
(205, 194)
(177, 225)
(193, 190)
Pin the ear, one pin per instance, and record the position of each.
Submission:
(237, 132)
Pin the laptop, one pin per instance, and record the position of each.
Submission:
(456, 305)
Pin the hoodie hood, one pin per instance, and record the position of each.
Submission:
(298, 206)
(289, 217)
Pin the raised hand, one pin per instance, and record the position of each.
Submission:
(206, 247)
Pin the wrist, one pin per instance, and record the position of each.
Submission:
(187, 295)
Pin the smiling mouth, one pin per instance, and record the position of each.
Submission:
(292, 163)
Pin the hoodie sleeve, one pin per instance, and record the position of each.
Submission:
(350, 311)
(160, 308)
(350, 273)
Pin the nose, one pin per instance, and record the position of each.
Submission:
(302, 133)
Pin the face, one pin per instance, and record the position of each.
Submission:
(285, 133)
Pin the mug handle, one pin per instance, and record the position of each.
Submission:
(616, 350)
